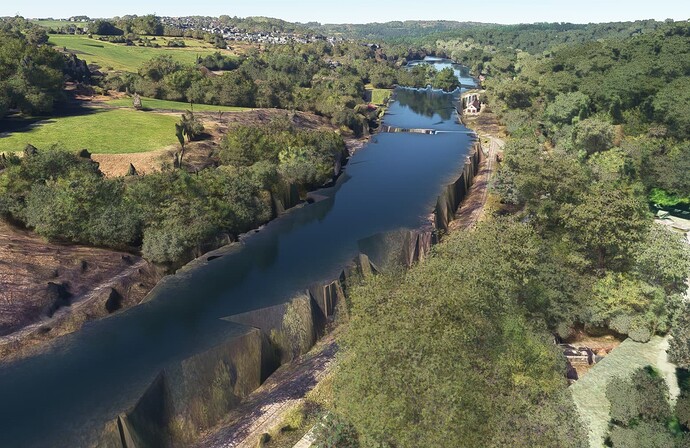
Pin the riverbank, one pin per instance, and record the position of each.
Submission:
(265, 414)
(49, 290)
(471, 211)
(491, 135)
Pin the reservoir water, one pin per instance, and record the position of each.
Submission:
(64, 397)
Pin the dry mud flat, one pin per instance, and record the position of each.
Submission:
(49, 289)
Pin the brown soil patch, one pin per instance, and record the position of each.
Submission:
(145, 162)
(596, 343)
(43, 285)
(474, 206)
(485, 123)
(600, 345)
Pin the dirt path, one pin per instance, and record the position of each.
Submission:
(264, 408)
(63, 314)
(472, 208)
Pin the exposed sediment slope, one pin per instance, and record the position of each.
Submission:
(50, 289)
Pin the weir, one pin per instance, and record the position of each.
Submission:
(156, 374)
(393, 129)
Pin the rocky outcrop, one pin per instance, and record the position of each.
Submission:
(75, 69)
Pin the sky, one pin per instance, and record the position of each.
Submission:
(365, 11)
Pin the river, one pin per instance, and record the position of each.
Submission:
(64, 397)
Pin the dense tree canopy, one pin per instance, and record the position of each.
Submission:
(31, 77)
(641, 415)
(455, 361)
(172, 215)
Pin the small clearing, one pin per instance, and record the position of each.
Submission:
(589, 392)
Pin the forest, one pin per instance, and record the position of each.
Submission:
(464, 352)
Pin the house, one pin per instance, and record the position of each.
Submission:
(471, 104)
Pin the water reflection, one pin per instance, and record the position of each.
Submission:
(428, 103)
(462, 72)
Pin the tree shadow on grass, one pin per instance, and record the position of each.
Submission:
(17, 123)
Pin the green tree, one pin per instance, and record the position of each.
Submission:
(191, 126)
(105, 28)
(179, 133)
(148, 24)
(446, 80)
(593, 135)
(629, 306)
(607, 222)
(516, 94)
(159, 67)
(455, 362)
(31, 75)
(640, 410)
(37, 36)
(568, 106)
(663, 259)
(679, 343)
(82, 207)
(672, 106)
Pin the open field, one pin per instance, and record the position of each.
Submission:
(55, 24)
(105, 131)
(111, 56)
(380, 96)
(152, 103)
(377, 96)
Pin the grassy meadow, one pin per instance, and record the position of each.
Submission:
(589, 392)
(55, 24)
(109, 56)
(101, 131)
(152, 103)
(379, 96)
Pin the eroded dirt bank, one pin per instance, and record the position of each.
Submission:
(47, 290)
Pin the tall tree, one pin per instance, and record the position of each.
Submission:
(454, 361)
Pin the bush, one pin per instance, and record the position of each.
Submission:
(593, 135)
(335, 432)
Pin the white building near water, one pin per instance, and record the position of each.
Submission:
(471, 104)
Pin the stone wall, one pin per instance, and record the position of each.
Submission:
(454, 193)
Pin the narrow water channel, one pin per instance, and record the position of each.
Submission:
(63, 398)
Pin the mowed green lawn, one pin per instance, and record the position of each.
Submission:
(111, 56)
(105, 131)
(153, 103)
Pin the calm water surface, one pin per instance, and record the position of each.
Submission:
(62, 398)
